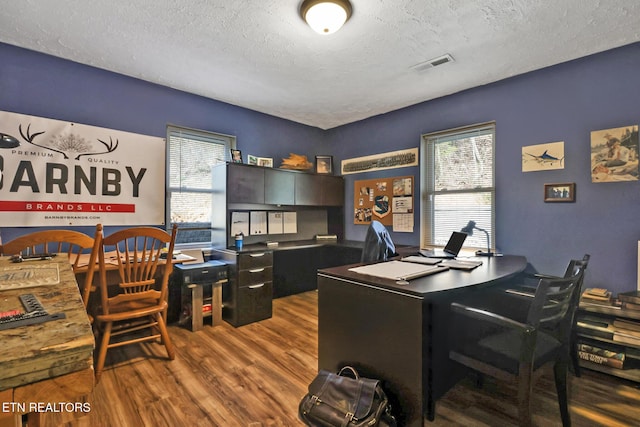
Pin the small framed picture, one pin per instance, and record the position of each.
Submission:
(236, 156)
(324, 164)
(266, 162)
(252, 160)
(563, 192)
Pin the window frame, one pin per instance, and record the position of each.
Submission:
(428, 191)
(229, 142)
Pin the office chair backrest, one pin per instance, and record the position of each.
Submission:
(378, 245)
(576, 264)
(552, 304)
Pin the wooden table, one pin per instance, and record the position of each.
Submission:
(45, 363)
(398, 333)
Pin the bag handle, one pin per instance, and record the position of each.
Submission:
(351, 370)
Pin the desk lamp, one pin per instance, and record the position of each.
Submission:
(469, 230)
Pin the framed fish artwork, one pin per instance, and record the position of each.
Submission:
(543, 157)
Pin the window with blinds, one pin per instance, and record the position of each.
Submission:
(191, 154)
(458, 185)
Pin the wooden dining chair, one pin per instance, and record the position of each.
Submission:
(138, 302)
(81, 249)
(511, 350)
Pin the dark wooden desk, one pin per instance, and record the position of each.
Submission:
(47, 362)
(398, 333)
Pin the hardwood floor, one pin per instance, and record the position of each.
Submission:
(255, 375)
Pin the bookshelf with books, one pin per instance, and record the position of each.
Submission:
(609, 336)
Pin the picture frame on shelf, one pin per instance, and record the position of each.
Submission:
(252, 160)
(324, 165)
(266, 162)
(236, 156)
(560, 193)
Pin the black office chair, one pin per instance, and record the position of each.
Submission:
(511, 350)
(527, 289)
(378, 245)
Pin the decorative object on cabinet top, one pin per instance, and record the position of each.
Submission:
(297, 162)
(324, 165)
(236, 156)
(260, 161)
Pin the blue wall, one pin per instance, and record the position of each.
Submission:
(561, 103)
(42, 85)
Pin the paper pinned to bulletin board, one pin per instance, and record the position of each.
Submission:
(388, 200)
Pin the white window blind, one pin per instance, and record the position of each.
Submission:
(458, 184)
(191, 154)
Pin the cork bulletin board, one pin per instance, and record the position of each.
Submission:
(388, 200)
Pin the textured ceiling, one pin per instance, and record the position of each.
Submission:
(260, 55)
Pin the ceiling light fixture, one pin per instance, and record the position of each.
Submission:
(325, 16)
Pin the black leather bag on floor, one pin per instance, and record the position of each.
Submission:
(336, 400)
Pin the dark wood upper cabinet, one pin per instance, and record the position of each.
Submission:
(308, 190)
(265, 186)
(279, 187)
(241, 187)
(245, 184)
(319, 190)
(332, 190)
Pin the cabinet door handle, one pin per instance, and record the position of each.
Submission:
(256, 286)
(257, 270)
(257, 255)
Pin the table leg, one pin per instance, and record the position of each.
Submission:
(196, 307)
(216, 303)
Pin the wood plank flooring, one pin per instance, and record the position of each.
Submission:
(255, 375)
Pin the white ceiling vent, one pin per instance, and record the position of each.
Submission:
(423, 66)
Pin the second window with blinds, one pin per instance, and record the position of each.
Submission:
(190, 156)
(458, 186)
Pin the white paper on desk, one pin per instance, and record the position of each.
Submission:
(421, 260)
(459, 264)
(240, 223)
(290, 220)
(258, 223)
(398, 270)
(276, 224)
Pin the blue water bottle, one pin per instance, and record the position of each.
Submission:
(239, 237)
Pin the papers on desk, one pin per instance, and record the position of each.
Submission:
(459, 264)
(398, 270)
(421, 260)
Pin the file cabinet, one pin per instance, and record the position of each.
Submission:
(248, 296)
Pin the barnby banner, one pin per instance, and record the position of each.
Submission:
(55, 173)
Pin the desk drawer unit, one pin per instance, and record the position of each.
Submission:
(255, 260)
(255, 276)
(248, 297)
